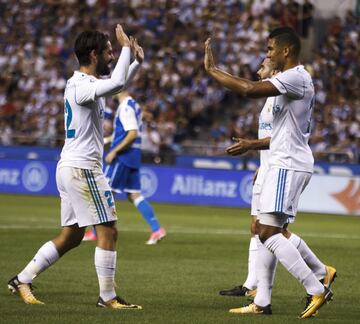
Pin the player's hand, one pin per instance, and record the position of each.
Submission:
(240, 147)
(136, 49)
(110, 157)
(121, 37)
(208, 58)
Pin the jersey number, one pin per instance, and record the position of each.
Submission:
(69, 133)
(109, 197)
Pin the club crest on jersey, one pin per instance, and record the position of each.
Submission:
(276, 109)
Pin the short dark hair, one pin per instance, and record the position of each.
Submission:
(286, 36)
(88, 41)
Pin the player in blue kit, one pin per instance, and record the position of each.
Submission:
(124, 161)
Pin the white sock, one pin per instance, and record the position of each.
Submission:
(291, 259)
(266, 263)
(251, 280)
(44, 258)
(105, 264)
(308, 256)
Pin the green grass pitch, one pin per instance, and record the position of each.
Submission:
(176, 281)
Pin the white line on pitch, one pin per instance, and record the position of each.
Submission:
(188, 230)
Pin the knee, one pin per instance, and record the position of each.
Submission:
(253, 229)
(115, 234)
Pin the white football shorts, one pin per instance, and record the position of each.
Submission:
(255, 199)
(86, 197)
(281, 191)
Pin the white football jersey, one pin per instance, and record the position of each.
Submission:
(84, 112)
(292, 110)
(265, 130)
(84, 117)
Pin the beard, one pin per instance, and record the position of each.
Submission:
(102, 67)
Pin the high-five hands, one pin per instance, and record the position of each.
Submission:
(136, 49)
(121, 37)
(208, 58)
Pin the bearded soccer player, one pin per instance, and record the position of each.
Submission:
(86, 198)
(290, 166)
(324, 273)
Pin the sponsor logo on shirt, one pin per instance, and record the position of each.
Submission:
(265, 126)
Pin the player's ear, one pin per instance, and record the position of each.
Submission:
(93, 56)
(286, 51)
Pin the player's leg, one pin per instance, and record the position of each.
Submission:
(272, 218)
(325, 273)
(69, 237)
(103, 216)
(249, 287)
(277, 207)
(147, 212)
(266, 263)
(251, 280)
(133, 191)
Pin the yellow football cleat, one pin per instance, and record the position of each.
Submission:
(252, 309)
(329, 277)
(24, 290)
(313, 303)
(116, 303)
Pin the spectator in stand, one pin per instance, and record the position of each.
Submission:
(36, 59)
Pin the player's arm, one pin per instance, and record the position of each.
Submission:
(108, 139)
(138, 53)
(245, 87)
(243, 145)
(118, 77)
(122, 146)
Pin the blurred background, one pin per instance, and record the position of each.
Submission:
(188, 111)
(188, 118)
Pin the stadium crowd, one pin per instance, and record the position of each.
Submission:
(182, 104)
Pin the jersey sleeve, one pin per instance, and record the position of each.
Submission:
(85, 91)
(128, 118)
(290, 83)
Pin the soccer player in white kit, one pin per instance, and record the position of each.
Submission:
(290, 166)
(323, 272)
(86, 198)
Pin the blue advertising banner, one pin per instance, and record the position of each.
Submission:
(160, 184)
(28, 177)
(197, 186)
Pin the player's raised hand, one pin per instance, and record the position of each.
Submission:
(240, 147)
(136, 49)
(121, 37)
(208, 59)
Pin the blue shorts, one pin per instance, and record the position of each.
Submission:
(123, 178)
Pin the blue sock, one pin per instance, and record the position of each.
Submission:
(147, 212)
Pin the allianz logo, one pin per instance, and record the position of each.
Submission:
(198, 186)
(10, 177)
(34, 176)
